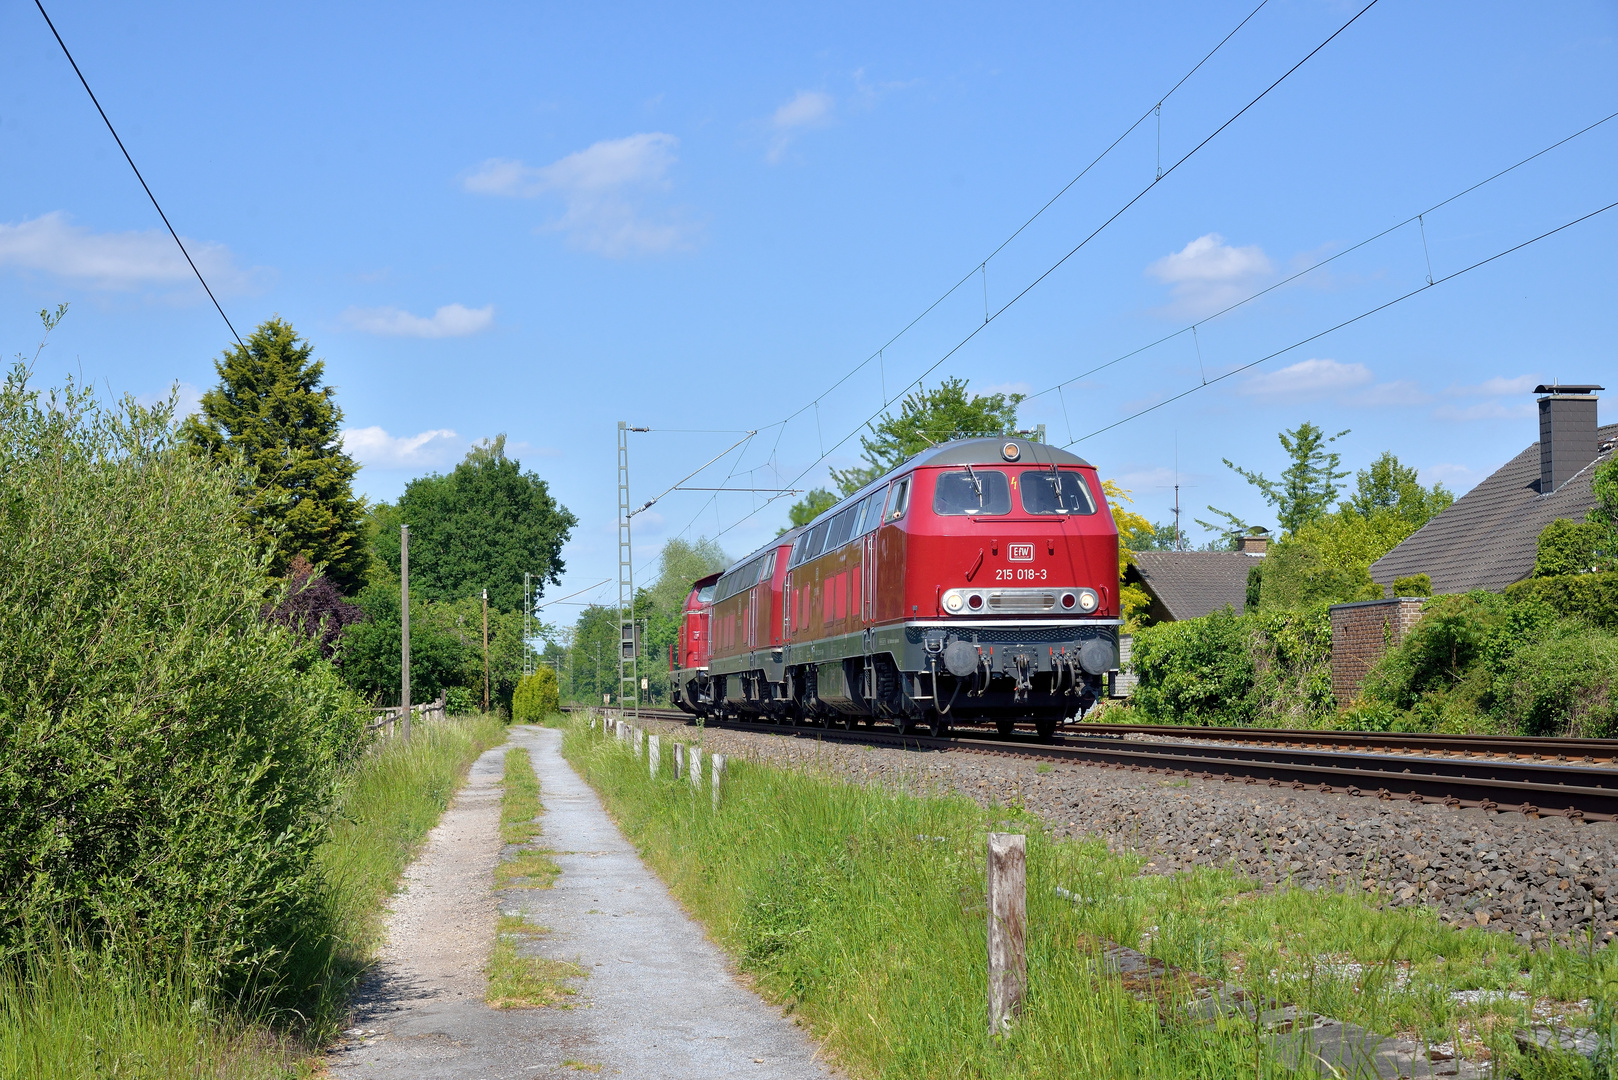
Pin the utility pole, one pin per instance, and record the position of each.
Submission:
(485, 650)
(628, 652)
(404, 630)
(527, 622)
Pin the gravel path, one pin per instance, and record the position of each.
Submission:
(659, 1000)
(1534, 878)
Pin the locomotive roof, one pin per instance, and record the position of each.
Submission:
(984, 450)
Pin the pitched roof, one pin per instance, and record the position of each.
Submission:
(1488, 537)
(1186, 584)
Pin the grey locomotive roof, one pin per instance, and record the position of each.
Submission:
(1189, 584)
(1488, 537)
(975, 451)
(986, 451)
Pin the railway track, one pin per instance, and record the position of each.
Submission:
(1575, 778)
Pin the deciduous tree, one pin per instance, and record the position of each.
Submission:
(927, 418)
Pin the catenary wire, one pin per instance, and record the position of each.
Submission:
(138, 176)
(1052, 269)
(1425, 285)
(1324, 262)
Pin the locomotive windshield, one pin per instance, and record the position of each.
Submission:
(1047, 492)
(705, 594)
(973, 492)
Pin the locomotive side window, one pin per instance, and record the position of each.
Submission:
(871, 517)
(841, 525)
(1047, 492)
(899, 501)
(817, 540)
(705, 594)
(972, 492)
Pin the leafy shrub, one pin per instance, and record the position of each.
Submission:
(535, 697)
(1413, 585)
(1566, 684)
(439, 657)
(461, 701)
(1232, 670)
(313, 607)
(1590, 597)
(168, 758)
(1568, 547)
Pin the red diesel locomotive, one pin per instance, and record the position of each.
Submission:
(978, 581)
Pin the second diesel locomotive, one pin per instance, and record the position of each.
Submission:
(976, 582)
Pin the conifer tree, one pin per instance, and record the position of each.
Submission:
(271, 409)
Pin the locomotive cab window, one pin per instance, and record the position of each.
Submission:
(705, 594)
(873, 511)
(899, 501)
(1047, 492)
(972, 493)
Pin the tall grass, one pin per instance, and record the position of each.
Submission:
(67, 1011)
(863, 911)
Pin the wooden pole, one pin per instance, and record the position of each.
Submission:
(485, 650)
(718, 770)
(404, 630)
(1008, 925)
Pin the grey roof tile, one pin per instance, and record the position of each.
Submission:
(1187, 584)
(1488, 537)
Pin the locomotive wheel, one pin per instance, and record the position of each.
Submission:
(903, 723)
(937, 724)
(1046, 726)
(1005, 726)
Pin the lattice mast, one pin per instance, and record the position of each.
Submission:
(527, 623)
(628, 654)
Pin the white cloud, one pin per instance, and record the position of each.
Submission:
(1398, 392)
(1486, 410)
(1499, 386)
(124, 260)
(1458, 478)
(596, 186)
(806, 109)
(1208, 274)
(1309, 378)
(451, 320)
(373, 446)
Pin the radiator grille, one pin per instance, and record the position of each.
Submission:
(1022, 600)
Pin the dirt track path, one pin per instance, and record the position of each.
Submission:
(659, 1000)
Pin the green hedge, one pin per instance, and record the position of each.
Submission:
(1229, 670)
(168, 759)
(535, 697)
(1591, 597)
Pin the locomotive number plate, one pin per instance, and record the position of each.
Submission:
(1020, 552)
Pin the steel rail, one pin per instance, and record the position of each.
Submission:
(1532, 747)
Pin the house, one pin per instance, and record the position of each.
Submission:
(1186, 584)
(1487, 539)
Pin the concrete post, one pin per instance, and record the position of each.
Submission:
(696, 766)
(679, 761)
(654, 756)
(718, 770)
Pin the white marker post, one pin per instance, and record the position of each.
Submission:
(654, 757)
(718, 774)
(1008, 926)
(696, 766)
(679, 761)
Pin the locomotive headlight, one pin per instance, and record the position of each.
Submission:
(953, 601)
(1088, 600)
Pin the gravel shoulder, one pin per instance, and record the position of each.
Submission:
(658, 999)
(1537, 879)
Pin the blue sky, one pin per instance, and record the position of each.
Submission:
(542, 219)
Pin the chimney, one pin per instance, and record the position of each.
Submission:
(1567, 432)
(1255, 543)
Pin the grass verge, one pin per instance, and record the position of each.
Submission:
(70, 1013)
(519, 979)
(863, 911)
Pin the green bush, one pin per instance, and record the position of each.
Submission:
(168, 759)
(1590, 597)
(1566, 684)
(1231, 670)
(1568, 547)
(1413, 585)
(535, 697)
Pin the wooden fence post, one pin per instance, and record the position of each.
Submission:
(696, 766)
(654, 757)
(1008, 925)
(718, 769)
(679, 761)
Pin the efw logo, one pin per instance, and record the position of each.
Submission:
(1020, 552)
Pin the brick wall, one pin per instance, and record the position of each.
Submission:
(1361, 633)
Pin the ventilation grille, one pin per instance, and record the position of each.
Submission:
(1022, 600)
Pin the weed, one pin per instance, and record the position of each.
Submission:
(518, 980)
(519, 803)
